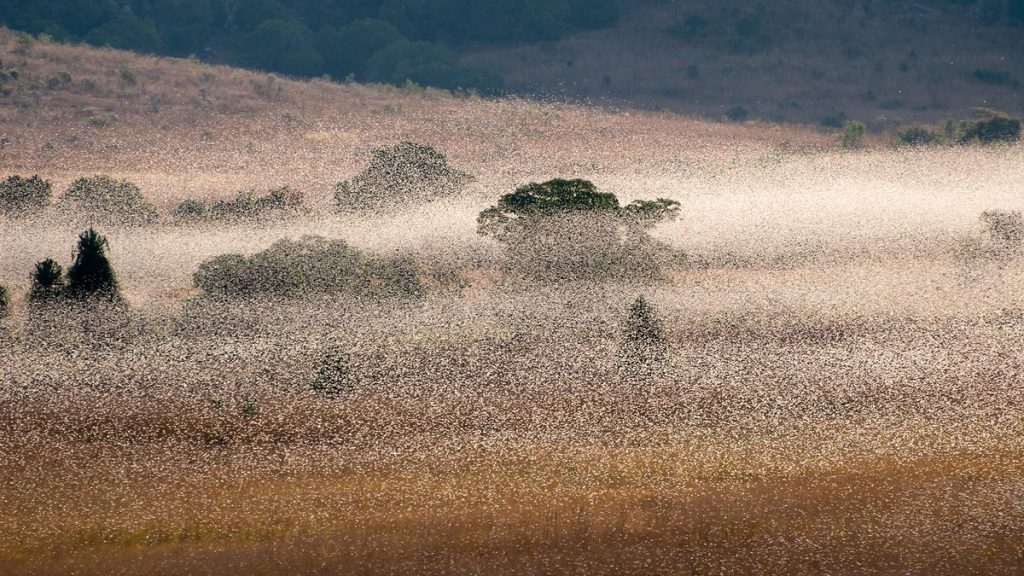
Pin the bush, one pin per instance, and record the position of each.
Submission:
(21, 196)
(407, 172)
(918, 136)
(644, 347)
(853, 134)
(1005, 228)
(5, 303)
(246, 205)
(91, 275)
(334, 376)
(310, 265)
(110, 201)
(990, 127)
(568, 230)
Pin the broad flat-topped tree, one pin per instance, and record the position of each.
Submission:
(568, 229)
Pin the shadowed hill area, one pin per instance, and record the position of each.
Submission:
(881, 62)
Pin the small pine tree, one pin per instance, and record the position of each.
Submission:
(5, 304)
(334, 376)
(91, 274)
(644, 347)
(47, 281)
(853, 134)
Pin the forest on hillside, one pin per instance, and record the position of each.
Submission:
(424, 41)
(389, 41)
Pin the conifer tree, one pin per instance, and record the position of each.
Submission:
(47, 281)
(4, 303)
(91, 274)
(644, 348)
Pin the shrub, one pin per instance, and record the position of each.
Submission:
(567, 229)
(20, 196)
(991, 126)
(1005, 228)
(853, 134)
(334, 376)
(91, 275)
(407, 172)
(107, 200)
(310, 265)
(47, 281)
(5, 303)
(191, 209)
(246, 205)
(643, 340)
(918, 136)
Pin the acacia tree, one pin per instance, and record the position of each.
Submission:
(568, 229)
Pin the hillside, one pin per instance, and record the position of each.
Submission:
(884, 63)
(181, 128)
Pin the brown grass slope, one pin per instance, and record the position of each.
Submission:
(212, 129)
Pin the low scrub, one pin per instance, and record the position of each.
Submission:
(308, 266)
(988, 127)
(918, 136)
(407, 172)
(23, 196)
(247, 205)
(107, 200)
(1002, 237)
(334, 376)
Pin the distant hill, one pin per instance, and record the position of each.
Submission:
(184, 129)
(880, 61)
(885, 62)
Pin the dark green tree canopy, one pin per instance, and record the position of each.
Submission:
(568, 229)
(560, 196)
